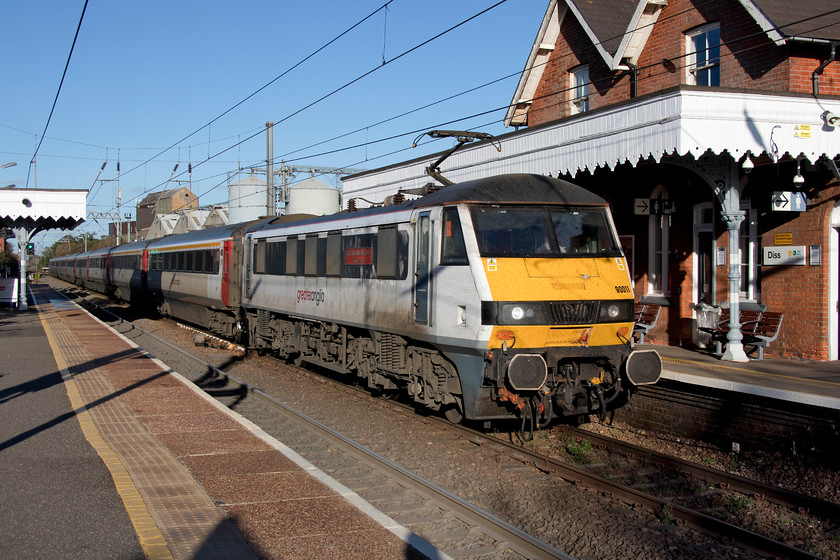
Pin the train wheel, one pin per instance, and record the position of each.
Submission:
(453, 414)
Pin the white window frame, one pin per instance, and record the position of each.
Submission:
(579, 89)
(750, 243)
(658, 230)
(709, 55)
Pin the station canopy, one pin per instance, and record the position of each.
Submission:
(41, 209)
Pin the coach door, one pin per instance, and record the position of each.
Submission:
(422, 270)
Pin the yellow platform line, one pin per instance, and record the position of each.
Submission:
(151, 539)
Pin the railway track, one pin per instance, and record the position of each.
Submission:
(452, 524)
(596, 477)
(606, 480)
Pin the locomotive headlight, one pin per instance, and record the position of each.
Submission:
(522, 313)
(615, 311)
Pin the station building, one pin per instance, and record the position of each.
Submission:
(712, 127)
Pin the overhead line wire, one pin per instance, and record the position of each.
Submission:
(284, 73)
(55, 101)
(340, 88)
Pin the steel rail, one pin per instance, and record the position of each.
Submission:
(734, 482)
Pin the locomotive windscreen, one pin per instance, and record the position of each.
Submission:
(543, 232)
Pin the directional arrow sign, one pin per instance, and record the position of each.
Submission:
(641, 206)
(789, 201)
(780, 200)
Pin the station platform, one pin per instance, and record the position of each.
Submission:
(107, 453)
(806, 382)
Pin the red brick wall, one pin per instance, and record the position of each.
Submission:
(749, 59)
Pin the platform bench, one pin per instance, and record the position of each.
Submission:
(646, 315)
(759, 329)
(763, 332)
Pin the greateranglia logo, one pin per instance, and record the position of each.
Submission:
(307, 295)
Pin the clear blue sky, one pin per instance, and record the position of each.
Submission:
(144, 75)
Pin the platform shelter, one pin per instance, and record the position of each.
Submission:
(30, 211)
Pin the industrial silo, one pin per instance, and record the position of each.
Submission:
(246, 200)
(313, 197)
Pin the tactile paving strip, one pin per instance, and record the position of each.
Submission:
(186, 517)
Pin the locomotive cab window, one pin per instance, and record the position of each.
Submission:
(453, 251)
(544, 232)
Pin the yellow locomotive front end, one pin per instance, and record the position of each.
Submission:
(560, 308)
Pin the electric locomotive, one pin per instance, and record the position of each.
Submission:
(494, 298)
(503, 297)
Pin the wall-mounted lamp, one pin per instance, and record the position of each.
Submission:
(748, 164)
(830, 119)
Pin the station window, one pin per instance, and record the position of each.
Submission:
(658, 239)
(703, 56)
(579, 89)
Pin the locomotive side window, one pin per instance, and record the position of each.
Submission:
(310, 267)
(333, 256)
(322, 257)
(291, 257)
(358, 256)
(453, 251)
(276, 258)
(386, 254)
(301, 256)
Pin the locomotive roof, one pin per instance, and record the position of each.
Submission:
(520, 188)
(516, 188)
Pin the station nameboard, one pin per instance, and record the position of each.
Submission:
(790, 255)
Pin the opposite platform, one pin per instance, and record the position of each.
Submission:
(193, 476)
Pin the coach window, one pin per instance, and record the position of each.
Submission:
(259, 257)
(189, 261)
(453, 250)
(658, 237)
(333, 256)
(181, 260)
(310, 267)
